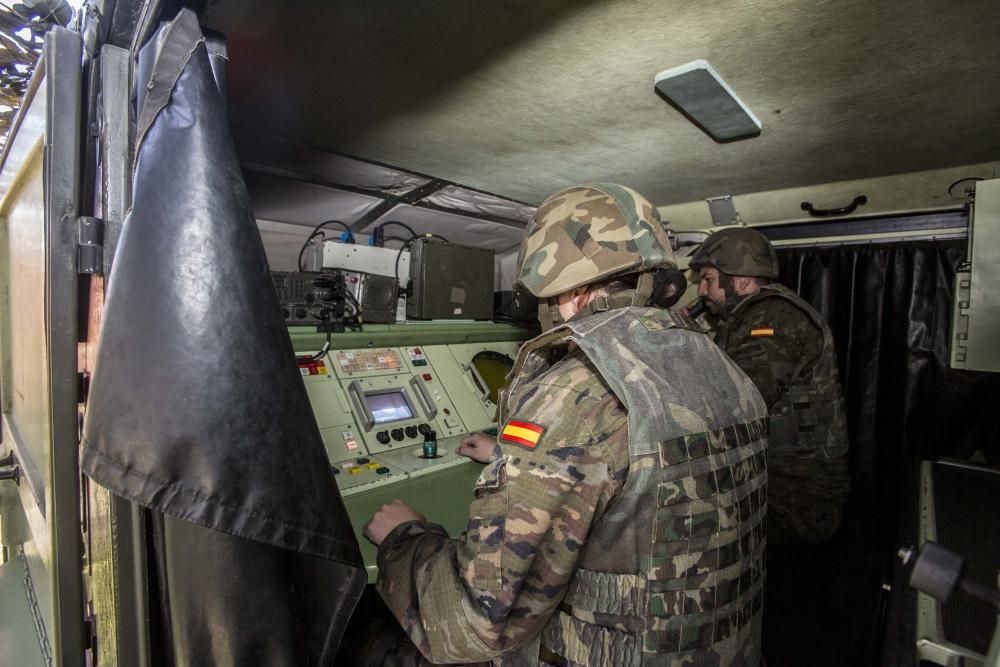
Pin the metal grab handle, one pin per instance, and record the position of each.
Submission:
(357, 396)
(421, 391)
(477, 379)
(828, 212)
(14, 474)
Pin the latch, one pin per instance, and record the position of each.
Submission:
(9, 469)
(90, 248)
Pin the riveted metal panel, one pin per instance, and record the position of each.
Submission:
(983, 348)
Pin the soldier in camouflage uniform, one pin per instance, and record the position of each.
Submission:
(621, 520)
(786, 347)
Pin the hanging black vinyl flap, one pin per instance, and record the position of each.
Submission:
(197, 408)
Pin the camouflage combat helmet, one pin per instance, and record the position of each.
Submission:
(590, 233)
(737, 251)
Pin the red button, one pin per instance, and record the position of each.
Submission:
(427, 377)
(446, 411)
(416, 350)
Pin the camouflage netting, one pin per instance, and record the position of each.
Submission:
(22, 27)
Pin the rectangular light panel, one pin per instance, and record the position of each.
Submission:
(701, 94)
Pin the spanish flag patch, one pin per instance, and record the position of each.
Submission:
(521, 433)
(762, 332)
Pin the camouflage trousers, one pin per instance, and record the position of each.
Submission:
(805, 499)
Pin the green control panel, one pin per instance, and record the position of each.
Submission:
(392, 418)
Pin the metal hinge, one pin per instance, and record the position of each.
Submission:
(82, 386)
(960, 317)
(90, 634)
(90, 248)
(723, 211)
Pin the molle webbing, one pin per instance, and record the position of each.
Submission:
(808, 420)
(673, 570)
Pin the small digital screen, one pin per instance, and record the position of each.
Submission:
(388, 407)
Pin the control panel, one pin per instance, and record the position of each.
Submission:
(394, 413)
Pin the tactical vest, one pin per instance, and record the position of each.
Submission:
(672, 573)
(808, 421)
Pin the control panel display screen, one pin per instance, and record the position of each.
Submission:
(387, 407)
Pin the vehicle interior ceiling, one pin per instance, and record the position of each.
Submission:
(459, 118)
(522, 98)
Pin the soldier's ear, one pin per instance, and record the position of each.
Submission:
(743, 285)
(581, 296)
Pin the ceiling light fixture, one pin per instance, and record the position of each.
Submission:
(697, 91)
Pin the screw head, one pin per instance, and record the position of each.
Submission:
(905, 554)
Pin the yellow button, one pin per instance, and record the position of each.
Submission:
(372, 466)
(355, 470)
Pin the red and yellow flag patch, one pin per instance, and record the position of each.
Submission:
(762, 332)
(522, 433)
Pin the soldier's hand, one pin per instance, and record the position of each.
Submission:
(387, 518)
(477, 446)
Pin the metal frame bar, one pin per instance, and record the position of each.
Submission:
(128, 563)
(939, 235)
(952, 219)
(64, 90)
(389, 201)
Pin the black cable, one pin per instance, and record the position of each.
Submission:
(315, 232)
(398, 224)
(309, 358)
(354, 300)
(399, 256)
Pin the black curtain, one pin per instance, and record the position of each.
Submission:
(197, 410)
(889, 307)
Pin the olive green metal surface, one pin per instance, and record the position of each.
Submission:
(443, 497)
(306, 339)
(19, 644)
(983, 344)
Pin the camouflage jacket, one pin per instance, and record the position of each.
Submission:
(602, 534)
(787, 349)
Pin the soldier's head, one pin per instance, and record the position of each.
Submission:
(733, 263)
(592, 247)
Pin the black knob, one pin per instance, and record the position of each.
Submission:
(411, 431)
(300, 313)
(397, 434)
(424, 429)
(286, 313)
(383, 437)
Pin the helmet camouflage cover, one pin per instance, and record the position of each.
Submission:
(589, 233)
(737, 251)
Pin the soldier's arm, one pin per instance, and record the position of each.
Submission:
(494, 588)
(774, 341)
